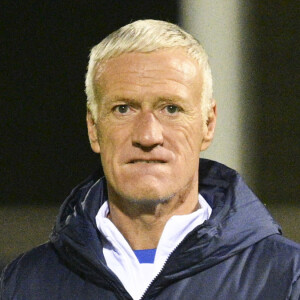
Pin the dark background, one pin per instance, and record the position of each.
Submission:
(44, 146)
(276, 39)
(44, 54)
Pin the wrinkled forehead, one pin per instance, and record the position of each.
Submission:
(163, 65)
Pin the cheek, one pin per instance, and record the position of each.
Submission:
(105, 140)
(112, 140)
(186, 140)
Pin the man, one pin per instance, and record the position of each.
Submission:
(161, 224)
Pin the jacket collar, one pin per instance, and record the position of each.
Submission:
(238, 221)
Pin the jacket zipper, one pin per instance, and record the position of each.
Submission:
(158, 274)
(115, 284)
(148, 287)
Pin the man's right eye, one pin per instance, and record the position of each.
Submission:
(122, 109)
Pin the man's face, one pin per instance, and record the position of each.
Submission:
(150, 129)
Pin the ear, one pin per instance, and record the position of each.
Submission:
(209, 126)
(92, 132)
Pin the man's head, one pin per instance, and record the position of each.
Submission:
(147, 120)
(146, 36)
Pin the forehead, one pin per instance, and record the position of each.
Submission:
(166, 70)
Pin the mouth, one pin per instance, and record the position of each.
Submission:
(151, 161)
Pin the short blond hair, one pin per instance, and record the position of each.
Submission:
(147, 36)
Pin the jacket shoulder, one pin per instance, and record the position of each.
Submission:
(285, 252)
(281, 257)
(27, 269)
(30, 259)
(283, 245)
(289, 251)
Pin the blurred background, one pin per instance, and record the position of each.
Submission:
(253, 49)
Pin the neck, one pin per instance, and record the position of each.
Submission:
(142, 222)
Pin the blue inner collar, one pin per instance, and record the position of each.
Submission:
(145, 256)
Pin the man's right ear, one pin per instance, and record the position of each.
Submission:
(92, 132)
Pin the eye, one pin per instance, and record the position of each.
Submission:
(172, 109)
(122, 109)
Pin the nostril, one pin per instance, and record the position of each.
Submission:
(145, 148)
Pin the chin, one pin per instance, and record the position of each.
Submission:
(146, 193)
(148, 198)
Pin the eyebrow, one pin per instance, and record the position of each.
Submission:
(107, 101)
(172, 99)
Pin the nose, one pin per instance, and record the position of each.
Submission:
(147, 132)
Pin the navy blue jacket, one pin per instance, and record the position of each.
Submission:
(237, 254)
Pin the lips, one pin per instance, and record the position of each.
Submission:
(147, 161)
(156, 157)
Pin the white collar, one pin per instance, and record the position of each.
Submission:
(121, 259)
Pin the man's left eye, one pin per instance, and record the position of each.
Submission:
(172, 109)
